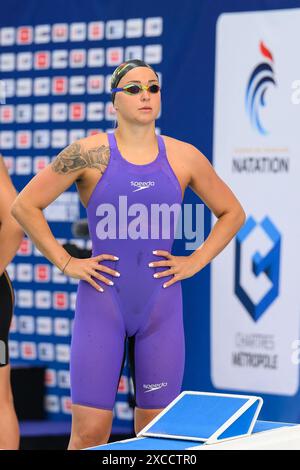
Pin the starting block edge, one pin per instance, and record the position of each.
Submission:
(251, 400)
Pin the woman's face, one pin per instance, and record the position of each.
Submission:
(129, 106)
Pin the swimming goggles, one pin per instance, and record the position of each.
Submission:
(134, 89)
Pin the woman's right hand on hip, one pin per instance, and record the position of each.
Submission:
(86, 268)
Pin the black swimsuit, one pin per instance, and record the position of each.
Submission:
(6, 312)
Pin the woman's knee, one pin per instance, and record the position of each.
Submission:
(143, 416)
(91, 435)
(90, 426)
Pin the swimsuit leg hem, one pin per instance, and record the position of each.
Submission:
(89, 405)
(151, 407)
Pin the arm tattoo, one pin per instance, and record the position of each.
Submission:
(74, 157)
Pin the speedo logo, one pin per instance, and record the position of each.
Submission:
(152, 387)
(139, 185)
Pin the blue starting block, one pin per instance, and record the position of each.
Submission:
(195, 420)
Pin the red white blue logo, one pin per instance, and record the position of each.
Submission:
(261, 78)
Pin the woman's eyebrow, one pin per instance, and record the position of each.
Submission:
(138, 81)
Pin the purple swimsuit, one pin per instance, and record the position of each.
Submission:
(136, 308)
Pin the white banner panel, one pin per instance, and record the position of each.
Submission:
(256, 151)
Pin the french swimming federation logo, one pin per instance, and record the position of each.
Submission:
(263, 277)
(260, 80)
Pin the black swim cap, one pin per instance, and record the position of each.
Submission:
(122, 69)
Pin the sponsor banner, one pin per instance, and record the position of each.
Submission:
(254, 281)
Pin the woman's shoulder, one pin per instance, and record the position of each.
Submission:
(94, 140)
(177, 144)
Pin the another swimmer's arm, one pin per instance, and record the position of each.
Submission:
(41, 191)
(215, 193)
(11, 233)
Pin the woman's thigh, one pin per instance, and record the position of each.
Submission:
(97, 348)
(157, 352)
